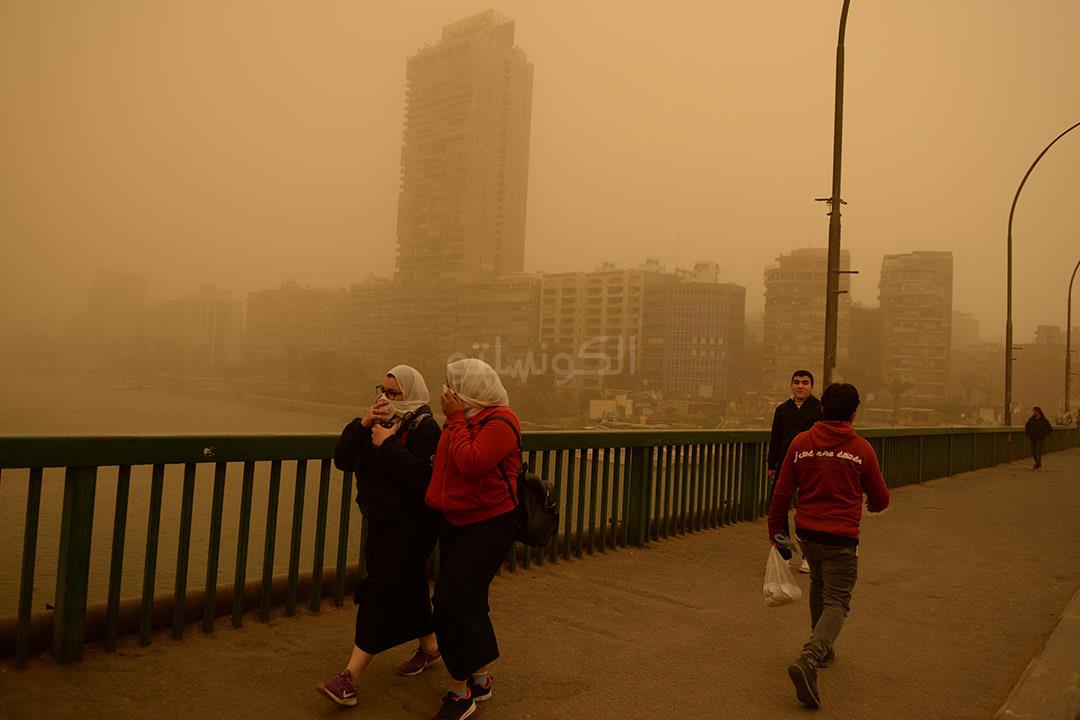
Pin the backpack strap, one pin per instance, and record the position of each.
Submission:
(505, 420)
(502, 470)
(409, 423)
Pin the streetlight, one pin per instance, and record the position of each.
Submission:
(1008, 319)
(1068, 341)
(832, 282)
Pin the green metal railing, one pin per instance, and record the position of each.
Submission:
(615, 489)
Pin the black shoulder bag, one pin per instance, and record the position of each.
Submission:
(537, 504)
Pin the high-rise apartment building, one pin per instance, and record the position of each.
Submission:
(591, 325)
(465, 156)
(915, 295)
(795, 317)
(693, 337)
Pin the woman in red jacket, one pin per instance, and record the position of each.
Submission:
(473, 486)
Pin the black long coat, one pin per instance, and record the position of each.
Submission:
(393, 601)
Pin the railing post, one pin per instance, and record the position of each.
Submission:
(922, 457)
(638, 491)
(73, 565)
(751, 482)
(949, 474)
(26, 582)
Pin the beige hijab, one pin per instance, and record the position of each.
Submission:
(414, 392)
(477, 384)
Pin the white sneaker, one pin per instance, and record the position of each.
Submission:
(805, 567)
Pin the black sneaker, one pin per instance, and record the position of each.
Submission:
(479, 693)
(803, 676)
(455, 708)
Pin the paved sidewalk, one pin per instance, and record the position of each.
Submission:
(961, 583)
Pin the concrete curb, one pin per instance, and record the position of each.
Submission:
(1049, 689)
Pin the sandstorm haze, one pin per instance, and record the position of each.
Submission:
(262, 201)
(250, 143)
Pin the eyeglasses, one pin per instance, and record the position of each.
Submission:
(390, 394)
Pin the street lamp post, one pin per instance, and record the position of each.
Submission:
(1009, 285)
(832, 282)
(1068, 341)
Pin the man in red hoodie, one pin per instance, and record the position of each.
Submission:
(831, 467)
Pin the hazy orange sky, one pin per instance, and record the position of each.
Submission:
(247, 143)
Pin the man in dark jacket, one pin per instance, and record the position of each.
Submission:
(1037, 428)
(831, 467)
(792, 417)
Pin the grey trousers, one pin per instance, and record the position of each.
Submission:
(833, 571)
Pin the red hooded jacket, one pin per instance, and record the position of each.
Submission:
(831, 467)
(466, 483)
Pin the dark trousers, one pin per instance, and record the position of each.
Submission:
(1036, 452)
(392, 601)
(833, 571)
(469, 557)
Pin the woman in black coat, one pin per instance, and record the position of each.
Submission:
(391, 449)
(1037, 428)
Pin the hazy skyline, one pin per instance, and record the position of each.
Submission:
(250, 143)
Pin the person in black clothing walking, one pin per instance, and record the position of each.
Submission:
(792, 417)
(1037, 428)
(390, 450)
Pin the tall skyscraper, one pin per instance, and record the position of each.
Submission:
(916, 321)
(465, 157)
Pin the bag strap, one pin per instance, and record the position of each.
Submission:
(502, 470)
(410, 422)
(502, 419)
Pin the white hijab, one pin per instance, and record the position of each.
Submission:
(414, 392)
(477, 384)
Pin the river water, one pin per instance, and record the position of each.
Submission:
(43, 404)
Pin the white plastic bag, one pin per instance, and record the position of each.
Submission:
(780, 586)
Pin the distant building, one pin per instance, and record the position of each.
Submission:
(201, 331)
(464, 177)
(915, 294)
(591, 325)
(865, 355)
(367, 323)
(975, 383)
(795, 317)
(1039, 377)
(1054, 335)
(465, 158)
(693, 338)
(754, 354)
(498, 319)
(965, 331)
(292, 321)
